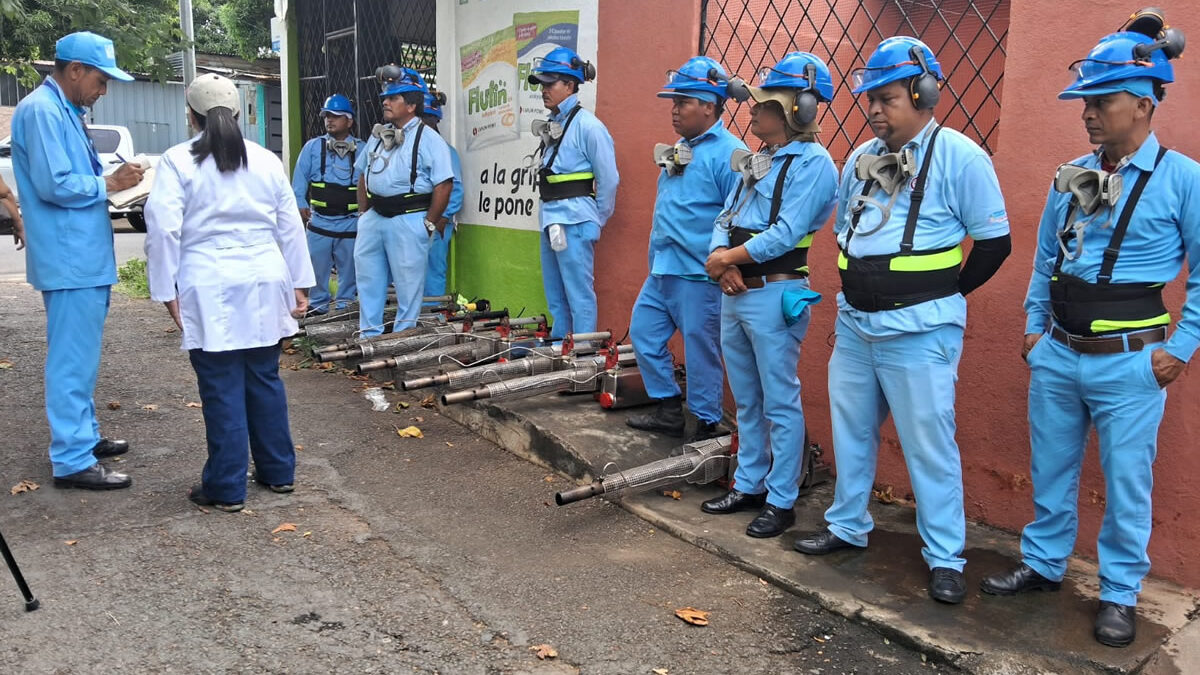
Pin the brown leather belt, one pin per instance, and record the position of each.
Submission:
(1110, 344)
(759, 282)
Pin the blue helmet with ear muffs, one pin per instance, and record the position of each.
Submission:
(898, 58)
(798, 82)
(396, 80)
(434, 100)
(1135, 59)
(704, 79)
(561, 62)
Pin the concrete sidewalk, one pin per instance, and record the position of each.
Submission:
(884, 586)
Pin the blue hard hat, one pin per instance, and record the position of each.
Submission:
(433, 104)
(398, 80)
(798, 70)
(1117, 64)
(92, 50)
(896, 58)
(701, 78)
(337, 105)
(561, 62)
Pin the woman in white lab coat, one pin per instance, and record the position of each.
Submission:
(228, 256)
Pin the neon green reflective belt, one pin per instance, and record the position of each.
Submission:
(1104, 325)
(568, 177)
(317, 185)
(316, 202)
(927, 262)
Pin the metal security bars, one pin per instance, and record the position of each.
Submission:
(967, 36)
(342, 42)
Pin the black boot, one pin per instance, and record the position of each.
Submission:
(1115, 624)
(667, 418)
(706, 430)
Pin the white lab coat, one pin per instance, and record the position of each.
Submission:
(230, 246)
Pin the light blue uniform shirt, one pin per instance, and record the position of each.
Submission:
(687, 205)
(962, 197)
(809, 192)
(388, 173)
(456, 193)
(63, 196)
(1165, 226)
(586, 146)
(338, 170)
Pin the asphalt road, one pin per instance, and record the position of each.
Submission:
(437, 554)
(128, 244)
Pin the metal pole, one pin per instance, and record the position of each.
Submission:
(31, 602)
(189, 49)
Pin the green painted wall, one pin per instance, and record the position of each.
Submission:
(499, 264)
(293, 77)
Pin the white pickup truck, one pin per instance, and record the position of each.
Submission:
(113, 143)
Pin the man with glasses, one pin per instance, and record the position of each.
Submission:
(64, 193)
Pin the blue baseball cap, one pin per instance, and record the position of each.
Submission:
(92, 50)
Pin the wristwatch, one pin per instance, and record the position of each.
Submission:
(429, 226)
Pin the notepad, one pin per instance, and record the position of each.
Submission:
(138, 193)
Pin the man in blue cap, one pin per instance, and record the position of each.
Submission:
(70, 260)
(907, 200)
(1096, 330)
(577, 184)
(404, 189)
(678, 296)
(326, 185)
(439, 250)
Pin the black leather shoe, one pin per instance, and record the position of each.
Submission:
(1115, 624)
(197, 496)
(667, 418)
(772, 521)
(94, 478)
(109, 448)
(705, 431)
(1017, 580)
(281, 488)
(820, 543)
(947, 585)
(734, 501)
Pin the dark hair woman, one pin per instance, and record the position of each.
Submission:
(228, 256)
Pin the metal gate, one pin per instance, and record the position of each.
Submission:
(967, 36)
(342, 42)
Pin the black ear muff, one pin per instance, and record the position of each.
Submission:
(589, 71)
(923, 88)
(1171, 43)
(804, 105)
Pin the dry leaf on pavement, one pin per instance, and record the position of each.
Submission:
(5, 364)
(194, 404)
(673, 494)
(24, 486)
(429, 402)
(696, 617)
(659, 671)
(150, 406)
(114, 405)
(285, 527)
(409, 432)
(544, 651)
(71, 542)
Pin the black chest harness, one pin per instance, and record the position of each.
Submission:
(333, 199)
(1088, 309)
(794, 261)
(554, 186)
(408, 202)
(876, 283)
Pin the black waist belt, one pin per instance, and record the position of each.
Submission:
(396, 205)
(794, 261)
(1135, 341)
(331, 199)
(1083, 308)
(882, 282)
(330, 233)
(555, 186)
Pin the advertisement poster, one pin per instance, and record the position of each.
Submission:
(498, 41)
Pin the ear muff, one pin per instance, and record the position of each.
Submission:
(589, 71)
(804, 105)
(923, 88)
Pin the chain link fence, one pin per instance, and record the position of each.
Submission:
(967, 36)
(342, 42)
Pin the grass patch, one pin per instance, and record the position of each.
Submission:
(132, 280)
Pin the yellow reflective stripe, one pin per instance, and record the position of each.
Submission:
(927, 262)
(352, 207)
(317, 185)
(566, 177)
(1104, 325)
(843, 263)
(802, 270)
(807, 241)
(314, 202)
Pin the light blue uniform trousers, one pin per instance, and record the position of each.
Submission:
(913, 376)
(399, 245)
(567, 278)
(761, 355)
(74, 328)
(669, 303)
(326, 253)
(435, 271)
(1068, 392)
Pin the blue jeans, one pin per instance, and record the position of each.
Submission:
(74, 328)
(245, 414)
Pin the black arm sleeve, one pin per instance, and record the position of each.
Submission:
(986, 257)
